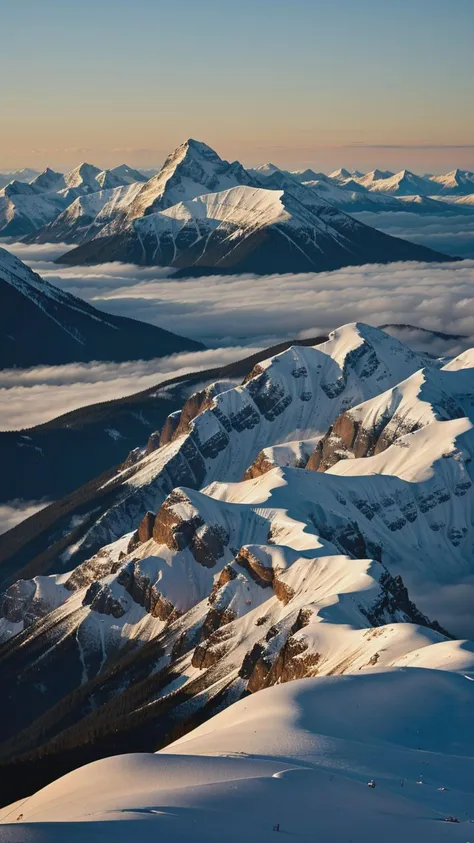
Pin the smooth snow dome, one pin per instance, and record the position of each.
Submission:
(288, 757)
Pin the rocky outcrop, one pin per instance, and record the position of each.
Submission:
(214, 648)
(153, 443)
(144, 532)
(134, 456)
(206, 542)
(169, 428)
(348, 438)
(394, 600)
(260, 465)
(179, 422)
(279, 658)
(101, 599)
(145, 593)
(256, 566)
(99, 566)
(18, 603)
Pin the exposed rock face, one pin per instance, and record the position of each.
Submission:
(179, 423)
(172, 529)
(144, 532)
(348, 439)
(278, 658)
(206, 542)
(394, 598)
(255, 565)
(18, 602)
(99, 566)
(145, 593)
(216, 618)
(213, 649)
(289, 664)
(100, 599)
(260, 466)
(153, 443)
(169, 429)
(134, 456)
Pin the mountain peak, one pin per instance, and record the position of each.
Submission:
(191, 170)
(342, 173)
(84, 174)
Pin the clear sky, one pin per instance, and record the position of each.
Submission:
(322, 83)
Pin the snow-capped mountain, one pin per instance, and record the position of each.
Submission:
(404, 183)
(27, 174)
(194, 171)
(42, 324)
(86, 216)
(308, 175)
(287, 228)
(202, 571)
(128, 175)
(264, 171)
(25, 208)
(368, 179)
(340, 175)
(457, 182)
(83, 177)
(48, 180)
(191, 170)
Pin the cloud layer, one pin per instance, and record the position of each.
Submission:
(15, 511)
(232, 315)
(32, 396)
(452, 234)
(225, 310)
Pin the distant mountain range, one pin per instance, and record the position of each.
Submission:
(41, 324)
(202, 214)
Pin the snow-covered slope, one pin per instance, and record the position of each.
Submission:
(128, 175)
(87, 215)
(27, 174)
(294, 395)
(49, 180)
(25, 208)
(191, 170)
(457, 182)
(40, 323)
(289, 759)
(404, 183)
(375, 175)
(288, 228)
(189, 586)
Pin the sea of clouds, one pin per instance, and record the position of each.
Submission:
(236, 315)
(233, 315)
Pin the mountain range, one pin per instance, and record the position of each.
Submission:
(41, 324)
(291, 525)
(200, 214)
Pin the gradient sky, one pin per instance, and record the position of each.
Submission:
(322, 83)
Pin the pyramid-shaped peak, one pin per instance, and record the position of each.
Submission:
(83, 174)
(201, 148)
(341, 173)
